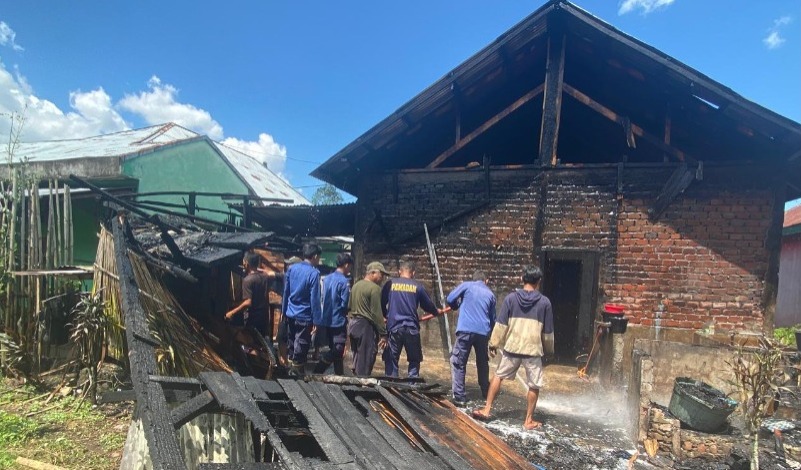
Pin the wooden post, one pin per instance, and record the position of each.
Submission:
(246, 212)
(552, 99)
(668, 125)
(68, 226)
(60, 258)
(773, 245)
(192, 203)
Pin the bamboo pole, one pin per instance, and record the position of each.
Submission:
(68, 232)
(60, 258)
(50, 250)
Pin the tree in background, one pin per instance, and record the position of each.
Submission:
(325, 195)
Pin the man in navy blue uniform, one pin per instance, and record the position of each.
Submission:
(302, 307)
(476, 305)
(336, 295)
(400, 297)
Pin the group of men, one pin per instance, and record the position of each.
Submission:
(376, 315)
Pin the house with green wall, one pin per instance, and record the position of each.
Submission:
(153, 159)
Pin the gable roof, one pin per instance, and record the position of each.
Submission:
(342, 167)
(136, 142)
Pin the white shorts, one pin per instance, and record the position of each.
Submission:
(507, 369)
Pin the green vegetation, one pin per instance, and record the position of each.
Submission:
(64, 431)
(786, 335)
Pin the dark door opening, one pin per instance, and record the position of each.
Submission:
(562, 285)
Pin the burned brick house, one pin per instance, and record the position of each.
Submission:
(627, 175)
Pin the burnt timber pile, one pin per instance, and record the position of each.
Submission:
(221, 419)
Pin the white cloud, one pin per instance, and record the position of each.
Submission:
(774, 38)
(95, 112)
(271, 153)
(159, 105)
(647, 6)
(8, 37)
(91, 112)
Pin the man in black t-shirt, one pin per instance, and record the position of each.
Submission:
(254, 295)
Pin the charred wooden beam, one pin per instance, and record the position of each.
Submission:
(177, 383)
(448, 456)
(773, 244)
(334, 449)
(484, 127)
(151, 403)
(230, 392)
(668, 129)
(635, 129)
(678, 182)
(552, 99)
(398, 443)
(191, 409)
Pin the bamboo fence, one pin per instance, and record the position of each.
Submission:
(35, 235)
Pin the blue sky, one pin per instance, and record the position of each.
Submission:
(294, 82)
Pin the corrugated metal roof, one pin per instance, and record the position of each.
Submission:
(792, 216)
(262, 182)
(118, 144)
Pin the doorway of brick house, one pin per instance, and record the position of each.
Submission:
(570, 281)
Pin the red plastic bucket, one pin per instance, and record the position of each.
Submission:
(612, 311)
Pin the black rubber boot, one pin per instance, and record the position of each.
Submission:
(339, 367)
(321, 367)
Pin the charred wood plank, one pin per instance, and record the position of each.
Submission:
(360, 426)
(177, 383)
(399, 446)
(486, 126)
(334, 448)
(272, 388)
(448, 456)
(229, 391)
(253, 385)
(331, 413)
(191, 409)
(151, 403)
(678, 182)
(552, 99)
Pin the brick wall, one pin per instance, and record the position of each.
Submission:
(704, 260)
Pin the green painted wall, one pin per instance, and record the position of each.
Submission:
(190, 167)
(85, 227)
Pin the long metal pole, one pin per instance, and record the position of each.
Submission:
(432, 253)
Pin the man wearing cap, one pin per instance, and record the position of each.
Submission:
(400, 298)
(366, 326)
(336, 296)
(476, 304)
(302, 306)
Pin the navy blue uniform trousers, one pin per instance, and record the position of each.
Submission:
(460, 354)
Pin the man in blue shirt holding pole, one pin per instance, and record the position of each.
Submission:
(476, 304)
(302, 306)
(336, 295)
